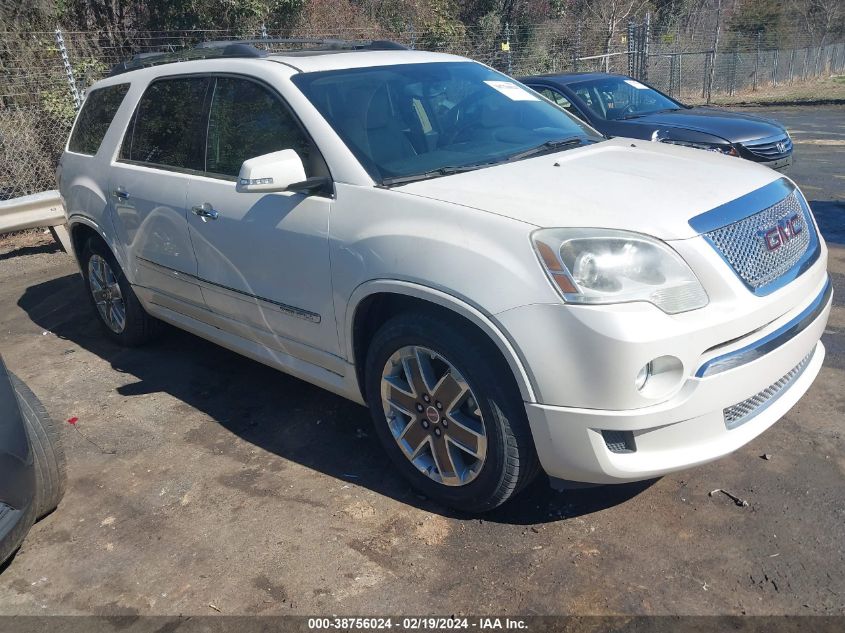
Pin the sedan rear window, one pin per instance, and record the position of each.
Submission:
(95, 118)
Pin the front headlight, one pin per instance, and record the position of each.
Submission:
(722, 148)
(595, 266)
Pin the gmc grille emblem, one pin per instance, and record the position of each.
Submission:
(786, 229)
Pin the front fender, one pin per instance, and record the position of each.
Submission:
(442, 299)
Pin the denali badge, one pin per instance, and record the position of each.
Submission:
(778, 235)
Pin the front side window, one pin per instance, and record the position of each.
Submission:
(168, 128)
(617, 98)
(95, 118)
(247, 120)
(416, 119)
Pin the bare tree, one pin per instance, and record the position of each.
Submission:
(613, 13)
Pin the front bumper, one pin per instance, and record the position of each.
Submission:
(721, 406)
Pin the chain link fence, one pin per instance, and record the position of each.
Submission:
(44, 74)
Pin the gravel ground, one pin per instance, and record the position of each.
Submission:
(199, 478)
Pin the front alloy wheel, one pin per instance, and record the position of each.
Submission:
(448, 412)
(433, 416)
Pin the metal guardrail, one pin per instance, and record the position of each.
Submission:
(33, 211)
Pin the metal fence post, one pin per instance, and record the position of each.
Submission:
(508, 47)
(756, 63)
(791, 72)
(645, 43)
(71, 82)
(576, 52)
(631, 48)
(775, 68)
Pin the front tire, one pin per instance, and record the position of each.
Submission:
(118, 309)
(448, 412)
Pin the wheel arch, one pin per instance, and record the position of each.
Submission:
(373, 302)
(81, 229)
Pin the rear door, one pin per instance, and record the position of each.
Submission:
(148, 185)
(264, 258)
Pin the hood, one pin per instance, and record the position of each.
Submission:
(651, 188)
(731, 126)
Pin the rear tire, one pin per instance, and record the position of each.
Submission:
(489, 453)
(118, 309)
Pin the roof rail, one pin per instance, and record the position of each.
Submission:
(247, 48)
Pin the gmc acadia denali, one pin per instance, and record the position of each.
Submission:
(505, 289)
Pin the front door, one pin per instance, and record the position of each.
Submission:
(263, 258)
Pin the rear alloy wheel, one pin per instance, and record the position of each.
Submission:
(123, 317)
(106, 294)
(448, 412)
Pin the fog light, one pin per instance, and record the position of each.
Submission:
(643, 376)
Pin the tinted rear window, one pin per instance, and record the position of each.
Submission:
(97, 113)
(168, 127)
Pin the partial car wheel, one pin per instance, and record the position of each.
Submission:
(33, 463)
(448, 412)
(120, 313)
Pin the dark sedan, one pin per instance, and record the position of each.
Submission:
(621, 106)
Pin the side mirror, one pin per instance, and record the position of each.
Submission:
(276, 171)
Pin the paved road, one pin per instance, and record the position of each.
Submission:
(198, 477)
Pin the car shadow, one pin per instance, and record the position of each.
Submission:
(276, 412)
(830, 216)
(51, 247)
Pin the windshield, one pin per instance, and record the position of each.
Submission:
(615, 98)
(436, 118)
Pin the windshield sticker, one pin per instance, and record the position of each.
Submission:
(636, 84)
(512, 91)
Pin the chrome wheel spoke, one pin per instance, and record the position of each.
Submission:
(468, 434)
(413, 373)
(413, 438)
(449, 390)
(398, 397)
(444, 462)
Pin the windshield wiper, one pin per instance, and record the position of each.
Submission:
(434, 173)
(549, 146)
(636, 115)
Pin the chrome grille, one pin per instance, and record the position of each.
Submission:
(770, 148)
(742, 412)
(743, 243)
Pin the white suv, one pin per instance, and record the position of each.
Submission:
(505, 289)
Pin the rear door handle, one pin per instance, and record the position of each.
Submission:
(121, 193)
(205, 212)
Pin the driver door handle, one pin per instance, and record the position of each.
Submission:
(205, 212)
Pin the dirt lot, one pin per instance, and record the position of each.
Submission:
(200, 478)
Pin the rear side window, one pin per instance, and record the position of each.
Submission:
(168, 126)
(93, 122)
(247, 120)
